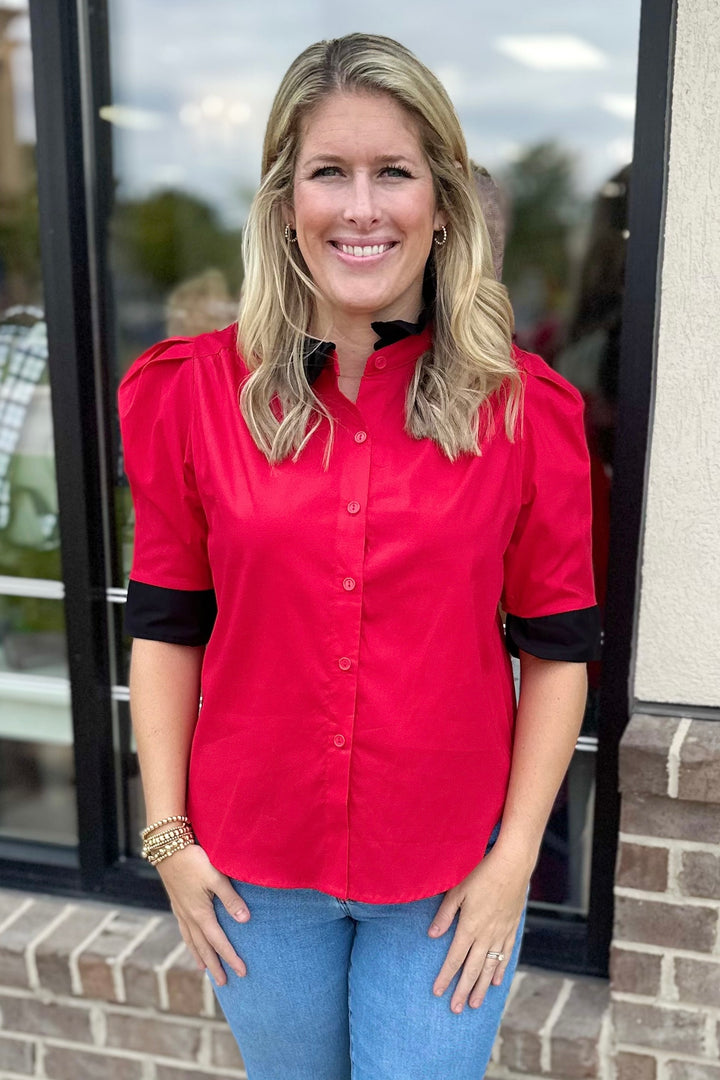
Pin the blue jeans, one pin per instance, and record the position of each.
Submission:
(339, 989)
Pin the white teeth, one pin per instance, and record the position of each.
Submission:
(362, 252)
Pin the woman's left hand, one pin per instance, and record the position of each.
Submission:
(491, 900)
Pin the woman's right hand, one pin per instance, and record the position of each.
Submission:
(191, 881)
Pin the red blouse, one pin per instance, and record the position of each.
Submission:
(357, 715)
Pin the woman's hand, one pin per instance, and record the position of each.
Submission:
(491, 900)
(191, 881)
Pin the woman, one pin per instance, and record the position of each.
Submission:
(326, 555)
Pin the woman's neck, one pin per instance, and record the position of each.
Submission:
(354, 340)
(353, 346)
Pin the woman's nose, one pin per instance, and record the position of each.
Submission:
(361, 206)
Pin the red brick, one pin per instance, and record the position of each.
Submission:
(17, 1055)
(52, 955)
(64, 1064)
(644, 750)
(185, 984)
(642, 867)
(50, 1019)
(18, 935)
(651, 815)
(700, 874)
(689, 1070)
(95, 962)
(141, 979)
(153, 1035)
(225, 1053)
(525, 1015)
(635, 1067)
(673, 1029)
(576, 1032)
(698, 982)
(653, 922)
(635, 972)
(699, 777)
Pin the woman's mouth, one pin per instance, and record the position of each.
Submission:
(363, 251)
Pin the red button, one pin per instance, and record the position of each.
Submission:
(353, 508)
(344, 663)
(380, 362)
(348, 584)
(339, 740)
(360, 436)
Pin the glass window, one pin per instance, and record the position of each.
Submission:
(37, 793)
(546, 99)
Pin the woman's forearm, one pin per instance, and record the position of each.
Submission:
(164, 701)
(491, 898)
(550, 712)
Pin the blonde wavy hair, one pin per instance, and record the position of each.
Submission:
(448, 399)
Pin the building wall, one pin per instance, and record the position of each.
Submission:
(679, 617)
(665, 962)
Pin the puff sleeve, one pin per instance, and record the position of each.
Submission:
(170, 594)
(549, 592)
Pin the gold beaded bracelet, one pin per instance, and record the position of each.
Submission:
(164, 841)
(170, 849)
(163, 821)
(157, 849)
(165, 835)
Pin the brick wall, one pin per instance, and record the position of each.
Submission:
(665, 962)
(90, 991)
(94, 992)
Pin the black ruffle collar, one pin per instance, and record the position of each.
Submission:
(317, 352)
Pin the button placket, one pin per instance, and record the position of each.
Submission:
(354, 446)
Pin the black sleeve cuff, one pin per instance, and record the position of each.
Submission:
(177, 616)
(570, 635)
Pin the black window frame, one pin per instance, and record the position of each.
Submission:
(71, 72)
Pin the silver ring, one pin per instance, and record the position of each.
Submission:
(495, 955)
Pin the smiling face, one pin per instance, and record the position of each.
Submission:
(364, 209)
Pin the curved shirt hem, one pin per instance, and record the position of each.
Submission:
(273, 881)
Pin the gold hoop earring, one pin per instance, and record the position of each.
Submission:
(290, 235)
(441, 243)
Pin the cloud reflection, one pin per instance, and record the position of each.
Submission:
(213, 79)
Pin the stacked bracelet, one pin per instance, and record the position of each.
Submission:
(164, 851)
(163, 821)
(161, 845)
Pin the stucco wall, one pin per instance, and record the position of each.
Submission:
(678, 653)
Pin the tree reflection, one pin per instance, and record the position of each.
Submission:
(173, 235)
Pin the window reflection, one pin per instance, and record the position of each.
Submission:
(37, 793)
(37, 801)
(547, 105)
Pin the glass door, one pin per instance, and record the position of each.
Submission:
(547, 104)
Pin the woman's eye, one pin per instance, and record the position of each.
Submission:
(396, 170)
(326, 170)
